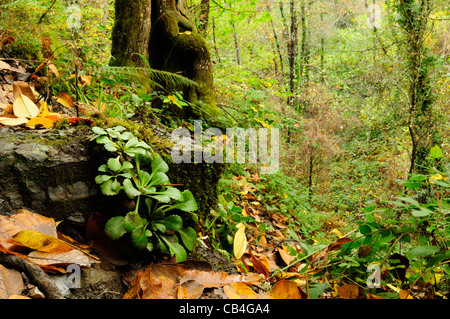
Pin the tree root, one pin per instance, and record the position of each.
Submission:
(36, 275)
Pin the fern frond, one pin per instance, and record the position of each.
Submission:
(147, 77)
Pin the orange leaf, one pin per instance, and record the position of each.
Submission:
(348, 291)
(134, 288)
(285, 289)
(260, 263)
(238, 290)
(39, 123)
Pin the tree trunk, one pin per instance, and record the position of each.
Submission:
(163, 32)
(177, 46)
(204, 16)
(292, 53)
(131, 32)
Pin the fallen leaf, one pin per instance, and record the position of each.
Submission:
(134, 288)
(162, 281)
(65, 99)
(24, 88)
(260, 263)
(39, 123)
(52, 68)
(24, 107)
(85, 79)
(11, 282)
(191, 289)
(73, 256)
(372, 296)
(238, 290)
(348, 291)
(13, 121)
(4, 65)
(240, 242)
(285, 289)
(38, 241)
(285, 256)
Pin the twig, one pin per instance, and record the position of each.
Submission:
(45, 13)
(34, 273)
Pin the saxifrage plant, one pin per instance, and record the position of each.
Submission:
(141, 174)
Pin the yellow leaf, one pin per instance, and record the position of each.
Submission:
(65, 100)
(172, 98)
(43, 109)
(337, 232)
(13, 121)
(24, 107)
(405, 294)
(39, 122)
(239, 290)
(240, 242)
(39, 241)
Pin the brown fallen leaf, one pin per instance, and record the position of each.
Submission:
(348, 291)
(191, 289)
(238, 290)
(163, 281)
(11, 282)
(260, 263)
(134, 288)
(62, 259)
(24, 88)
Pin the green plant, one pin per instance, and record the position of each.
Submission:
(409, 238)
(142, 176)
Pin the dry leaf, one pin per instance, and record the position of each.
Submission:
(39, 241)
(260, 263)
(11, 282)
(348, 291)
(285, 256)
(4, 65)
(52, 68)
(285, 289)
(65, 99)
(73, 256)
(162, 281)
(24, 107)
(24, 88)
(240, 242)
(39, 123)
(238, 290)
(191, 289)
(13, 121)
(134, 288)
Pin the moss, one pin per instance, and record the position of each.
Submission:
(139, 130)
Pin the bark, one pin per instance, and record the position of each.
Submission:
(163, 32)
(177, 46)
(131, 32)
(204, 16)
(292, 52)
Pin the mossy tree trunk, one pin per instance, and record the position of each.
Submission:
(131, 32)
(177, 46)
(163, 31)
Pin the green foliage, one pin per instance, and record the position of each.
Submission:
(141, 175)
(403, 234)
